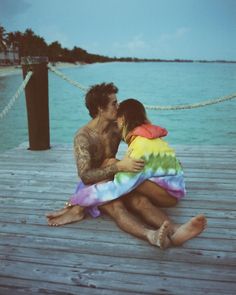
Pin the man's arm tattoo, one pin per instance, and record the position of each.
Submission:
(84, 161)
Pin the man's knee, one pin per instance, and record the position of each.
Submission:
(139, 201)
(114, 208)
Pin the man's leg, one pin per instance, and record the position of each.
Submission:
(148, 188)
(154, 216)
(130, 224)
(149, 212)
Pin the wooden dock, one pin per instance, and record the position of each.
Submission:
(94, 256)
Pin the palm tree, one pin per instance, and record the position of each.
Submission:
(13, 43)
(54, 51)
(32, 44)
(17, 39)
(2, 38)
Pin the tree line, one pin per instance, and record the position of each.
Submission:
(30, 44)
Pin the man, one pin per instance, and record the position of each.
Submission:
(95, 147)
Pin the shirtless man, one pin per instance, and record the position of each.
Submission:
(95, 145)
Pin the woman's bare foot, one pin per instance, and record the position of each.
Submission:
(56, 213)
(160, 237)
(65, 216)
(189, 230)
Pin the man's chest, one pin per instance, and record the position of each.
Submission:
(104, 147)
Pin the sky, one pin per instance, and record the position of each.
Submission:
(166, 29)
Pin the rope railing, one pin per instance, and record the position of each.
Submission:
(64, 77)
(193, 105)
(152, 107)
(12, 101)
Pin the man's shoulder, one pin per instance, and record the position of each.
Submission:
(80, 133)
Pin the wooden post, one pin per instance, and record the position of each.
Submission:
(36, 93)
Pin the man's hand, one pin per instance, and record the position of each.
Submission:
(127, 164)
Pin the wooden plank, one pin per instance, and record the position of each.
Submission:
(117, 237)
(27, 200)
(96, 278)
(133, 264)
(94, 256)
(36, 216)
(198, 250)
(15, 286)
(21, 175)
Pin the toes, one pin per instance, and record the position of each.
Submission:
(53, 222)
(163, 232)
(201, 218)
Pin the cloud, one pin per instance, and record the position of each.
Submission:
(171, 44)
(135, 45)
(10, 8)
(176, 35)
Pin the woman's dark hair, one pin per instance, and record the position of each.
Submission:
(134, 114)
(97, 97)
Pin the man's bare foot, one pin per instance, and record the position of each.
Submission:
(66, 215)
(189, 230)
(160, 237)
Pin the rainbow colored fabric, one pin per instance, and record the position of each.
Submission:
(161, 167)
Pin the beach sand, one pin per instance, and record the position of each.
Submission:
(16, 70)
(9, 70)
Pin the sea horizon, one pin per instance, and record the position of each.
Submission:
(152, 83)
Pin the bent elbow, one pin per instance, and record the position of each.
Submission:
(86, 180)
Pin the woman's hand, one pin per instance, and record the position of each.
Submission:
(127, 164)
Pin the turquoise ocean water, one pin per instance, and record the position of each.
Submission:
(152, 83)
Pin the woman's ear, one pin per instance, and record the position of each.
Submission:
(121, 121)
(100, 111)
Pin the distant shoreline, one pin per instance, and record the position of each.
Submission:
(8, 70)
(15, 70)
(170, 60)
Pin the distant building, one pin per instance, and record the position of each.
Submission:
(9, 55)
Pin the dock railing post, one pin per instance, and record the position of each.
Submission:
(36, 93)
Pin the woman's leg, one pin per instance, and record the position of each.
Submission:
(156, 194)
(150, 189)
(65, 216)
(130, 224)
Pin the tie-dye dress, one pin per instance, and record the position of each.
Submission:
(161, 167)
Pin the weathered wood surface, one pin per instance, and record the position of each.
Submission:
(94, 256)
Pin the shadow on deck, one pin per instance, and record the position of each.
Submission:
(94, 256)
